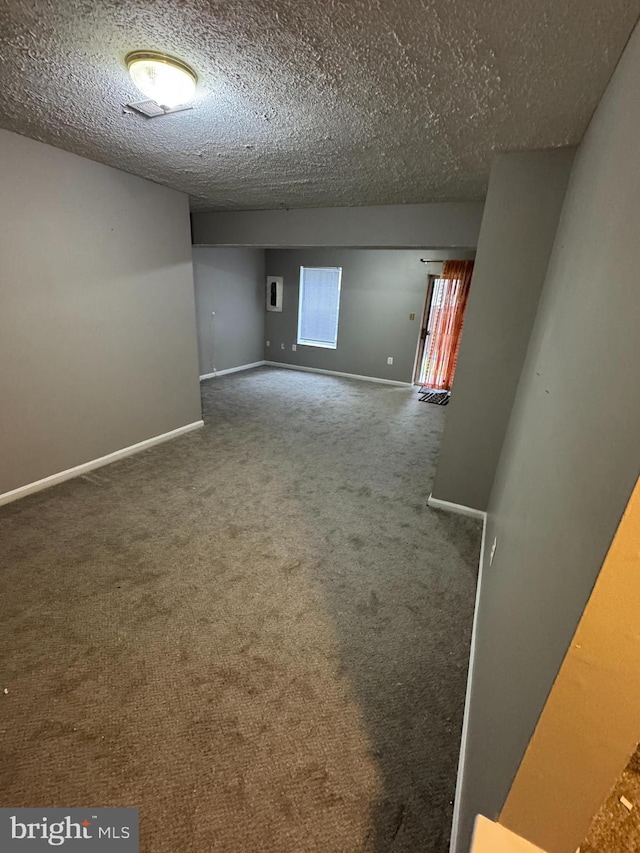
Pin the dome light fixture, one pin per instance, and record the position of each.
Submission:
(164, 79)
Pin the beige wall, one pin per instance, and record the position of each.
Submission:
(97, 319)
(526, 192)
(491, 837)
(591, 721)
(571, 454)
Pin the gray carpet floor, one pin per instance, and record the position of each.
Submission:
(257, 633)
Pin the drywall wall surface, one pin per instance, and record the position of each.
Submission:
(230, 307)
(571, 455)
(526, 192)
(590, 724)
(490, 837)
(387, 226)
(97, 327)
(380, 290)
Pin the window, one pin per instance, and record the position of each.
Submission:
(318, 307)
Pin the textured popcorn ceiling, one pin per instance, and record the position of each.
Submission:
(305, 103)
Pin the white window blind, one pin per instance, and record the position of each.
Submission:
(319, 305)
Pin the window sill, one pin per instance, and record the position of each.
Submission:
(317, 345)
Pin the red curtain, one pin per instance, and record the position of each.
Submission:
(449, 300)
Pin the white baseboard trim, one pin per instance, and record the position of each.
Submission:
(54, 479)
(458, 509)
(454, 846)
(338, 373)
(232, 370)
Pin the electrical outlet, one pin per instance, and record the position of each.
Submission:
(412, 316)
(281, 346)
(390, 360)
(268, 343)
(294, 347)
(493, 550)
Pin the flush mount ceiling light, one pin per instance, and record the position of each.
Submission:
(166, 80)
